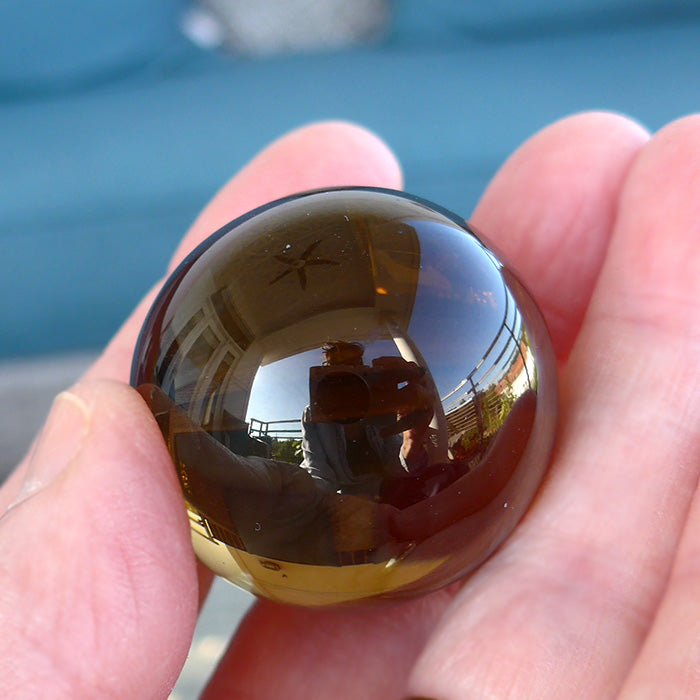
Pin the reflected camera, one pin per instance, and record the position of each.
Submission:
(347, 393)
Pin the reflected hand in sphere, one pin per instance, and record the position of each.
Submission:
(358, 396)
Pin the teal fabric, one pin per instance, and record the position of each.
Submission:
(498, 20)
(51, 46)
(100, 177)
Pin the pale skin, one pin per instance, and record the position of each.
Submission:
(596, 595)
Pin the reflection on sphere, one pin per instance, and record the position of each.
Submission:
(358, 397)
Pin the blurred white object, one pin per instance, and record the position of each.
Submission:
(265, 27)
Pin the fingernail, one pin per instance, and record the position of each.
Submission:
(60, 440)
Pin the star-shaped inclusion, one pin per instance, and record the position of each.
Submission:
(299, 264)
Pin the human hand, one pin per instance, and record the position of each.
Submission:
(593, 596)
(99, 588)
(413, 402)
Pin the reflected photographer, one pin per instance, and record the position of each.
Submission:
(364, 424)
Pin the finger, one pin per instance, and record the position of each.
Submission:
(565, 606)
(668, 664)
(331, 154)
(97, 570)
(348, 665)
(320, 155)
(282, 651)
(554, 202)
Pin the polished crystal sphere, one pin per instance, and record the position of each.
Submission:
(359, 397)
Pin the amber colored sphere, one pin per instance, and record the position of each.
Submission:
(359, 397)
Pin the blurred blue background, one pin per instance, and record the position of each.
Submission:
(120, 119)
(116, 126)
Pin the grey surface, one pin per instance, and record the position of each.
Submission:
(222, 613)
(220, 616)
(27, 388)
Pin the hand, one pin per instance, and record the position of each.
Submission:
(593, 596)
(419, 408)
(99, 588)
(414, 404)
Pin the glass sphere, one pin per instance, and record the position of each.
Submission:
(358, 396)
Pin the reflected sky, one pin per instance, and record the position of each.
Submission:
(459, 309)
(281, 389)
(460, 304)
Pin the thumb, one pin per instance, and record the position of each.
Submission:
(97, 574)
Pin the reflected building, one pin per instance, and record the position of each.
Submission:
(280, 300)
(477, 407)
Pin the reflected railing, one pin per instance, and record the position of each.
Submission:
(473, 408)
(275, 429)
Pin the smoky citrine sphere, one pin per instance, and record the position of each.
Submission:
(358, 396)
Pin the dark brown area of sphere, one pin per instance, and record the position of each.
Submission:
(359, 399)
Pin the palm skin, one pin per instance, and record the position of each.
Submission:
(597, 592)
